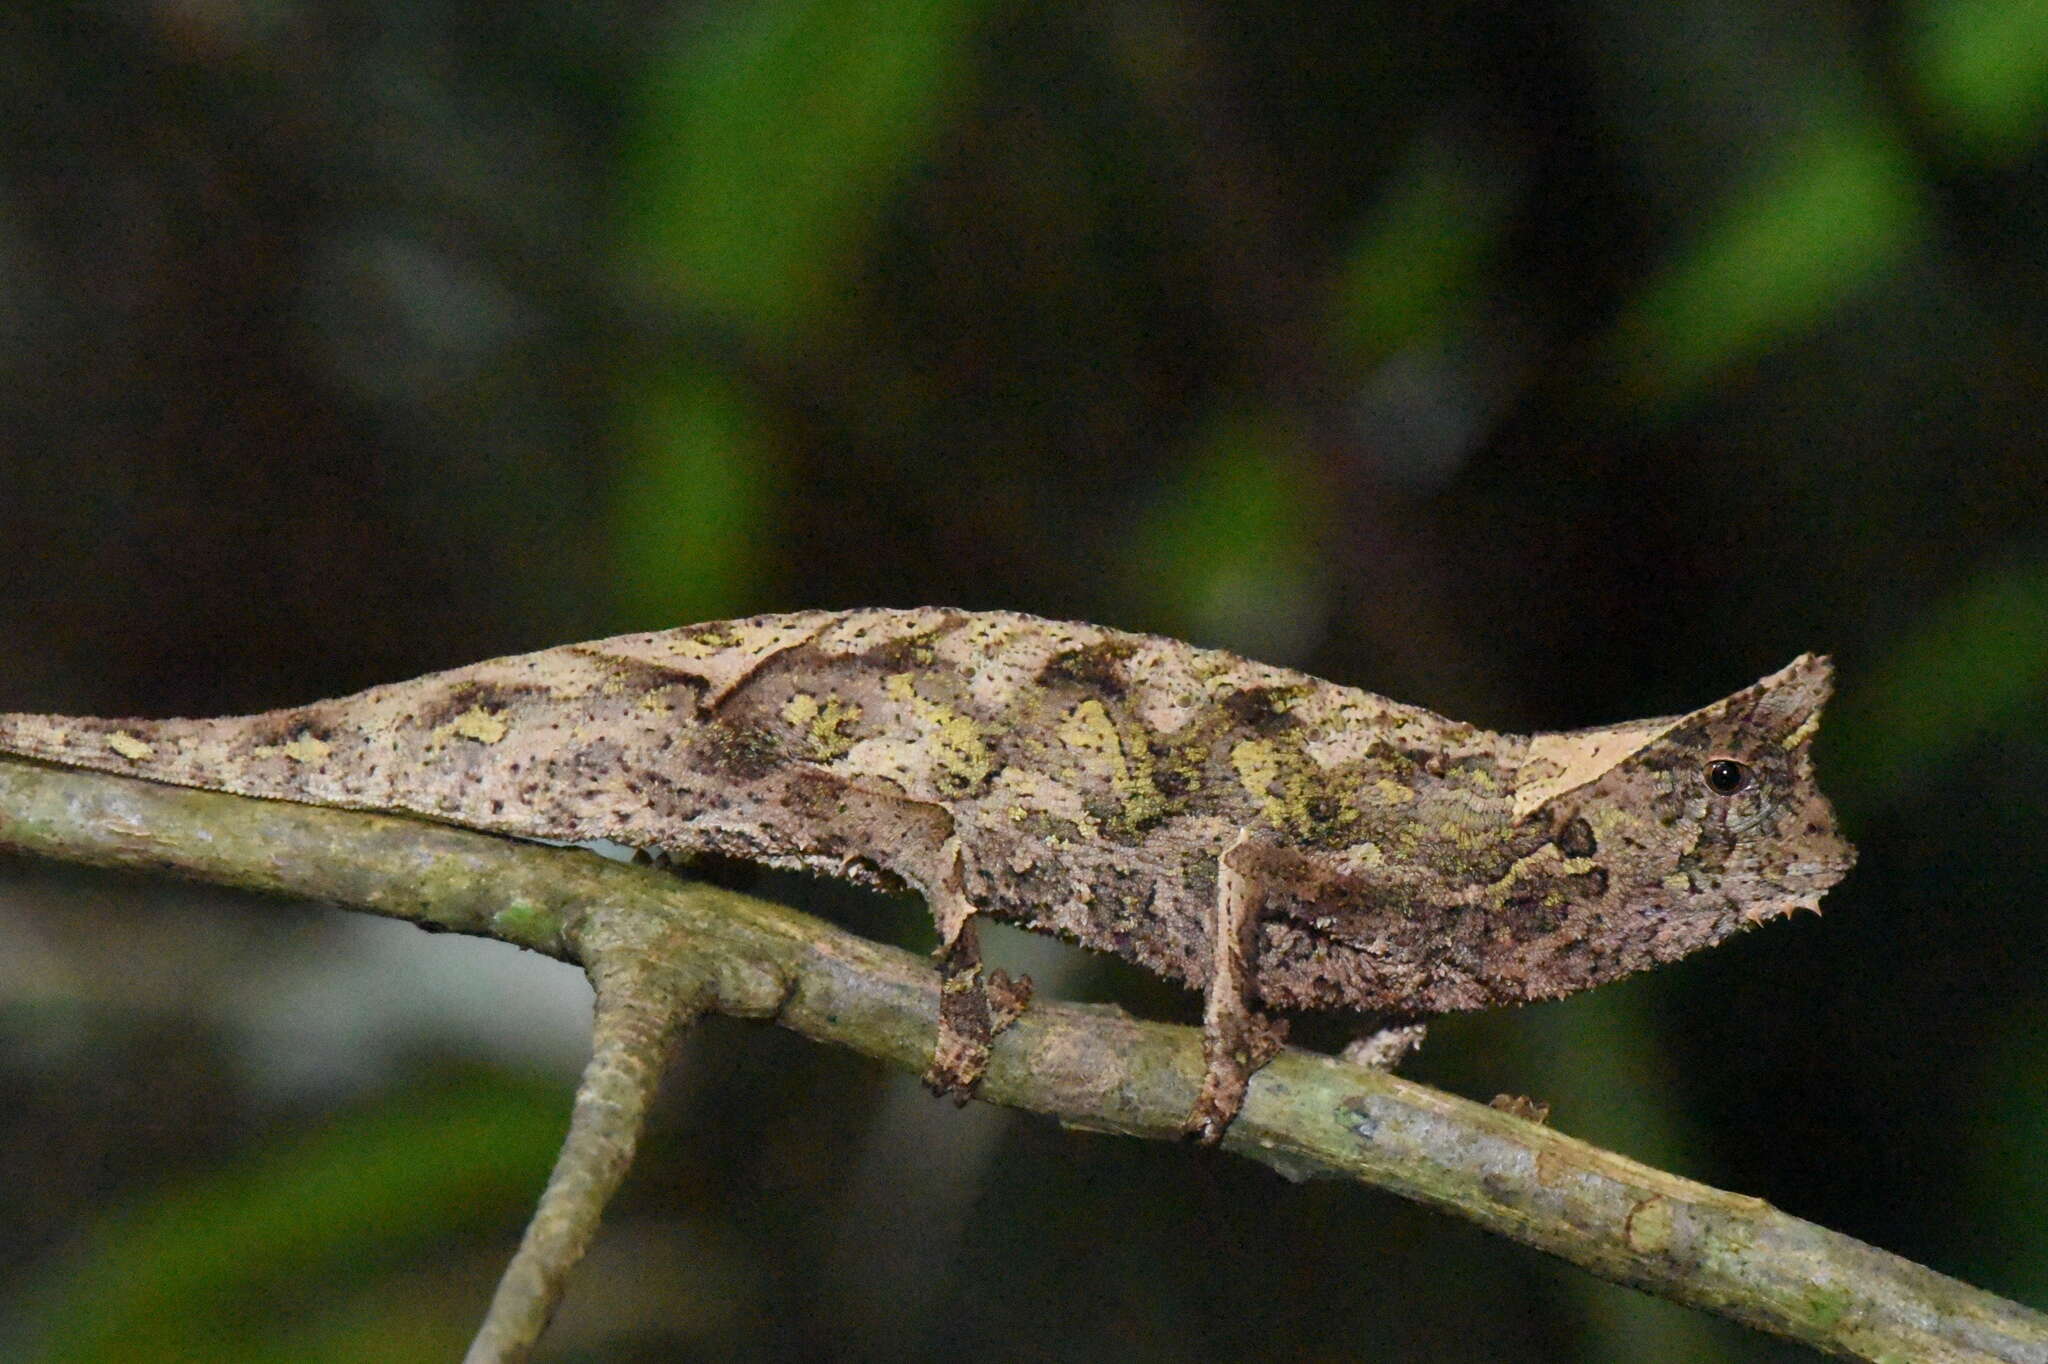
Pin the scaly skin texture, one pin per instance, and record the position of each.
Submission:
(1271, 838)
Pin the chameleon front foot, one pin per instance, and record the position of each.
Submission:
(1385, 1048)
(973, 1010)
(1007, 1000)
(1230, 1055)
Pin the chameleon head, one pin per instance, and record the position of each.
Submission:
(1688, 828)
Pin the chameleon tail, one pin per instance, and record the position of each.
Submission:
(212, 754)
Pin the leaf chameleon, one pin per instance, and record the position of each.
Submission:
(1277, 841)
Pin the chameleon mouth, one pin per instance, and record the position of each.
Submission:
(1823, 859)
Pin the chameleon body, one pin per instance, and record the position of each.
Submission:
(1277, 841)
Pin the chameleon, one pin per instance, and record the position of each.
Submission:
(1279, 842)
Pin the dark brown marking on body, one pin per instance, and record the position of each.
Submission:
(1097, 669)
(1576, 839)
(639, 676)
(444, 707)
(746, 751)
(1261, 711)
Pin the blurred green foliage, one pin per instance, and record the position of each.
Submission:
(1416, 271)
(765, 148)
(1829, 212)
(693, 529)
(2008, 1181)
(1969, 668)
(324, 1234)
(1228, 550)
(1982, 66)
(769, 140)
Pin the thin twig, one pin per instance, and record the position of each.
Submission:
(1089, 1067)
(639, 1012)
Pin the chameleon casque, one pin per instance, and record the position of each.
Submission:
(1277, 841)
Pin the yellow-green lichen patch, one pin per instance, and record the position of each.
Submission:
(657, 702)
(1258, 770)
(1611, 824)
(962, 759)
(984, 636)
(1455, 834)
(1088, 730)
(1800, 735)
(1363, 855)
(824, 724)
(307, 749)
(1088, 727)
(129, 747)
(800, 710)
(484, 726)
(1543, 861)
(704, 643)
(304, 749)
(1182, 770)
(1294, 792)
(1477, 777)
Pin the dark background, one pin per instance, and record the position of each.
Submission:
(1544, 364)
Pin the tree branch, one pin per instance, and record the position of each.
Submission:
(660, 950)
(637, 1018)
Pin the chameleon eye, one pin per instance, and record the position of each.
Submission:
(1725, 776)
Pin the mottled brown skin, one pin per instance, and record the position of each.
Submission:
(1273, 839)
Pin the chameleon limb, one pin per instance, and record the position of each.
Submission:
(1236, 1039)
(966, 1025)
(1386, 1046)
(636, 1022)
(973, 1008)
